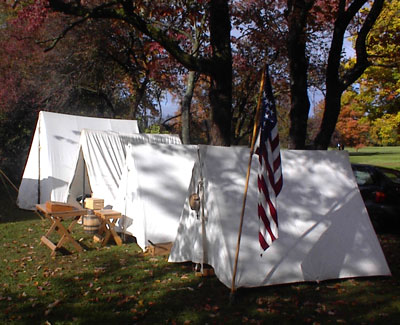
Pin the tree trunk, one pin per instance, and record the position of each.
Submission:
(330, 118)
(185, 108)
(298, 63)
(221, 75)
(335, 83)
(139, 94)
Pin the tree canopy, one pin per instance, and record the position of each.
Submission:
(375, 95)
(121, 58)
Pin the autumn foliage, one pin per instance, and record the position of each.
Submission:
(124, 58)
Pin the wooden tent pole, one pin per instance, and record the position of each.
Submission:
(39, 152)
(9, 180)
(253, 141)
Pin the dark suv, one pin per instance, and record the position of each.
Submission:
(380, 190)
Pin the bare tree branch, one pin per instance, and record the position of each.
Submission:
(171, 118)
(62, 34)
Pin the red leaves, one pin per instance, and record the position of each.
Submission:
(31, 17)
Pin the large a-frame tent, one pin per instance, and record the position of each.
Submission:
(102, 159)
(153, 189)
(54, 152)
(324, 229)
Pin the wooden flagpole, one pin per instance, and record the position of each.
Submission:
(253, 141)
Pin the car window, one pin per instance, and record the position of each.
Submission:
(394, 176)
(363, 177)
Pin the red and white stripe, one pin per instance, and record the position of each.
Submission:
(269, 186)
(269, 172)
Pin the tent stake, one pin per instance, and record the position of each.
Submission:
(253, 141)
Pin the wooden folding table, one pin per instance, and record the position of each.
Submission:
(108, 220)
(56, 217)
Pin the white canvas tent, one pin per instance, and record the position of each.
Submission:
(324, 229)
(153, 189)
(54, 152)
(101, 160)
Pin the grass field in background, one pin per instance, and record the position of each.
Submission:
(120, 285)
(380, 156)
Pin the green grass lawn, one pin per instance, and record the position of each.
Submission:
(380, 156)
(120, 285)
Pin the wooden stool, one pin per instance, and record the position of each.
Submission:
(108, 222)
(56, 217)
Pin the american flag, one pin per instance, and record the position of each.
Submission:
(270, 170)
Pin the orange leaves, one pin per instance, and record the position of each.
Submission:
(352, 127)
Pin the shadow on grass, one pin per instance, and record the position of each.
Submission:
(374, 153)
(109, 287)
(356, 154)
(11, 213)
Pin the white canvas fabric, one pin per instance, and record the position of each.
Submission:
(153, 189)
(324, 229)
(102, 158)
(57, 136)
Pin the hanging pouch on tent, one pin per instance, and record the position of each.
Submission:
(194, 202)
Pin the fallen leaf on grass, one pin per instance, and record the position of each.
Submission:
(340, 302)
(53, 304)
(261, 301)
(186, 288)
(123, 301)
(214, 308)
(99, 269)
